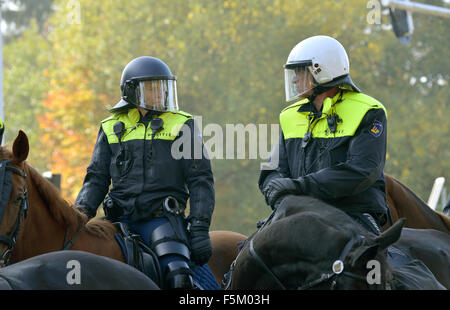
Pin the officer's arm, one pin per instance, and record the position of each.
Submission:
(365, 163)
(199, 176)
(97, 180)
(277, 166)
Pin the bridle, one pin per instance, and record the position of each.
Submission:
(337, 268)
(11, 239)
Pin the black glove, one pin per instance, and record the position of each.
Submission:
(201, 249)
(278, 188)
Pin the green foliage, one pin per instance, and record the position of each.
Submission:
(26, 82)
(228, 56)
(18, 14)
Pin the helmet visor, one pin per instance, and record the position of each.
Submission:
(298, 82)
(158, 95)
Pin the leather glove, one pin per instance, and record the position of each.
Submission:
(201, 249)
(278, 188)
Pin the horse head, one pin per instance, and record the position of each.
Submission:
(13, 201)
(319, 247)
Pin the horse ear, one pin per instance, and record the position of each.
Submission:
(391, 235)
(369, 251)
(20, 147)
(365, 253)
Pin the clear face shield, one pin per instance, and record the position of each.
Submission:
(158, 95)
(298, 82)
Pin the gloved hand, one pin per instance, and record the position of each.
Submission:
(278, 188)
(201, 249)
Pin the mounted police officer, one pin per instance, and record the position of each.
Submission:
(333, 140)
(150, 188)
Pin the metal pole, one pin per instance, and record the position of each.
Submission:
(415, 7)
(436, 192)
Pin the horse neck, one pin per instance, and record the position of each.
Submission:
(40, 231)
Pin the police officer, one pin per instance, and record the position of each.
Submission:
(150, 188)
(333, 138)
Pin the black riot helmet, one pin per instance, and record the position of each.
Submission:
(148, 82)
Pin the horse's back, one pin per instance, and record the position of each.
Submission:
(68, 270)
(430, 246)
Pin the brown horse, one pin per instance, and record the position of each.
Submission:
(404, 203)
(49, 222)
(225, 249)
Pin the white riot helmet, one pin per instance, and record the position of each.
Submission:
(317, 63)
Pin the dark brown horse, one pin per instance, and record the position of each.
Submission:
(403, 203)
(50, 222)
(308, 244)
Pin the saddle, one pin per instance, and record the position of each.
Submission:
(138, 254)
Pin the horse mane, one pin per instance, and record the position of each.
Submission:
(65, 213)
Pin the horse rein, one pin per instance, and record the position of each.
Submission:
(11, 239)
(337, 267)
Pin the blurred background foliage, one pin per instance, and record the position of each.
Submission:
(63, 61)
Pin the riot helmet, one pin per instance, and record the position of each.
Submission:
(315, 65)
(147, 82)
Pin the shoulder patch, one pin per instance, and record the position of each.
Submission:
(376, 129)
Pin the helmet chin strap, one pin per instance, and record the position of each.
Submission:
(317, 90)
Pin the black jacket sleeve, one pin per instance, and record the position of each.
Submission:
(277, 165)
(366, 157)
(97, 180)
(199, 176)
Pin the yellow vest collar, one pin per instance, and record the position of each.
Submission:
(134, 115)
(329, 103)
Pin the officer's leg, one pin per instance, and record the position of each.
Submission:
(173, 255)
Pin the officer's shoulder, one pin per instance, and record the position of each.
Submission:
(179, 113)
(296, 105)
(114, 116)
(364, 100)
